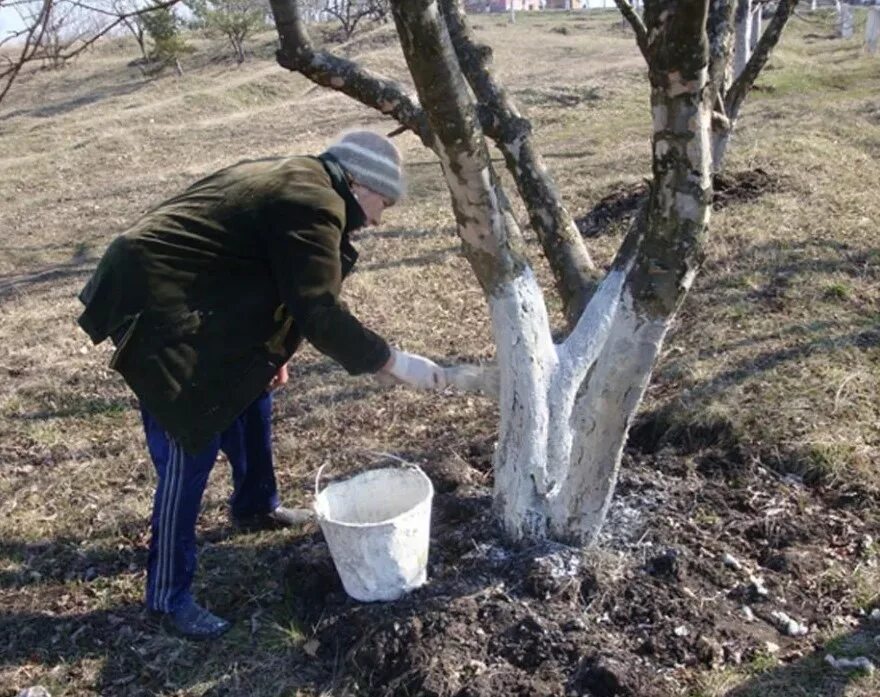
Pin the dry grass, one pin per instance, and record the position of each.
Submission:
(778, 343)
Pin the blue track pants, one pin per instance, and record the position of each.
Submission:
(181, 482)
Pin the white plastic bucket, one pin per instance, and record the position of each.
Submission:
(377, 525)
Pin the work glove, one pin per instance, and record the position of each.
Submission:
(414, 370)
(423, 373)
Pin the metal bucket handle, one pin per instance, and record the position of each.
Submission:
(406, 465)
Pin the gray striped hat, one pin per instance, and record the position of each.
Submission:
(372, 160)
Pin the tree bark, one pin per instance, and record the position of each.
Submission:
(560, 239)
(845, 24)
(742, 50)
(297, 53)
(616, 344)
(738, 91)
(757, 26)
(872, 30)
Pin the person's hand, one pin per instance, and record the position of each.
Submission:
(279, 379)
(413, 370)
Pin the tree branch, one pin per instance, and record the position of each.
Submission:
(559, 237)
(743, 84)
(323, 68)
(490, 237)
(29, 48)
(636, 23)
(719, 29)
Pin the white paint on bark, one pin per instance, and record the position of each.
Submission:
(757, 27)
(845, 21)
(601, 418)
(742, 50)
(872, 30)
(527, 360)
(480, 222)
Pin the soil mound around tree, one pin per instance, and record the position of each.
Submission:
(698, 567)
(614, 212)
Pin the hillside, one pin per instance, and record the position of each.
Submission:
(759, 436)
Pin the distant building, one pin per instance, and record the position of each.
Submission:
(476, 6)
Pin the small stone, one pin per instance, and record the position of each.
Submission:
(311, 647)
(732, 562)
(680, 631)
(574, 625)
(758, 586)
(788, 625)
(771, 648)
(748, 614)
(861, 663)
(35, 691)
(875, 614)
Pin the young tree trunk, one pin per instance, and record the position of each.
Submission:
(845, 21)
(757, 27)
(733, 98)
(872, 30)
(565, 410)
(743, 46)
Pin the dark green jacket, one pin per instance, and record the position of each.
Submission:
(209, 293)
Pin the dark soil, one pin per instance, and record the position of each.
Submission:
(633, 618)
(615, 211)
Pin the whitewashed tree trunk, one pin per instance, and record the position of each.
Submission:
(559, 454)
(872, 30)
(732, 97)
(757, 28)
(742, 50)
(845, 21)
(565, 409)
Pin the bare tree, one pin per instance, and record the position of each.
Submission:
(565, 408)
(349, 13)
(234, 19)
(28, 44)
(126, 11)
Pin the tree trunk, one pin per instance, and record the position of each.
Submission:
(742, 49)
(872, 30)
(565, 409)
(845, 22)
(560, 239)
(757, 27)
(735, 96)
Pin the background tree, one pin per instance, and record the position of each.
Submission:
(126, 10)
(350, 13)
(234, 19)
(163, 28)
(39, 18)
(565, 408)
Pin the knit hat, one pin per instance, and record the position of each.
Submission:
(372, 161)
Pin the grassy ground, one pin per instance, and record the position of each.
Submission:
(776, 352)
